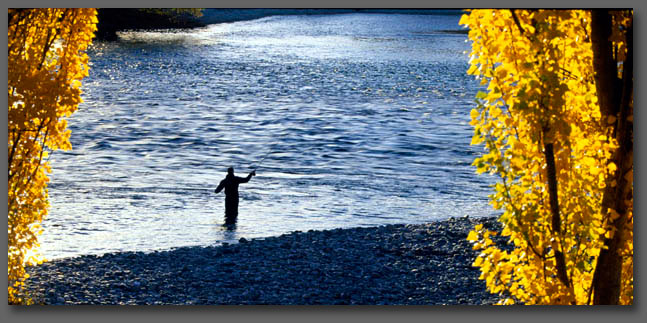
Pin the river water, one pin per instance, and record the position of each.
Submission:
(363, 119)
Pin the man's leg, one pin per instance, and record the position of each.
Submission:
(231, 210)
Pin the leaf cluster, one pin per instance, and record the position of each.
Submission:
(46, 63)
(538, 69)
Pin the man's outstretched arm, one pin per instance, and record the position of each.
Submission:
(246, 179)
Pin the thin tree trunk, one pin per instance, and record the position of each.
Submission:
(604, 66)
(554, 208)
(608, 270)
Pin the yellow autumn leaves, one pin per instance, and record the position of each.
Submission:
(46, 63)
(538, 68)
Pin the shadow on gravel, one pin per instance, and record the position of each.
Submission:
(428, 264)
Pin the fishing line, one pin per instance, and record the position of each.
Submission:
(261, 161)
(269, 152)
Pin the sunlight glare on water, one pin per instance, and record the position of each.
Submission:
(363, 119)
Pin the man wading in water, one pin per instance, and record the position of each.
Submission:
(230, 184)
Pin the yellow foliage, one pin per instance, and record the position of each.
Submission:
(46, 63)
(538, 68)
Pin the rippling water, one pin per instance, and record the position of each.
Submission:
(364, 116)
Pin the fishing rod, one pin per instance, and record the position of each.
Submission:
(269, 151)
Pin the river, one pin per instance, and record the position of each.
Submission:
(363, 120)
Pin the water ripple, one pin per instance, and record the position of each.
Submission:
(359, 120)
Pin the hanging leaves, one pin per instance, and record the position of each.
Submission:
(46, 63)
(546, 138)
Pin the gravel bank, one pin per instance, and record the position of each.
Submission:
(394, 264)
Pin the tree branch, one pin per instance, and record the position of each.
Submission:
(516, 21)
(554, 208)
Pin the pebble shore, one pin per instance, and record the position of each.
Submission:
(425, 264)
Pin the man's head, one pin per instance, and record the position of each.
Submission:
(230, 171)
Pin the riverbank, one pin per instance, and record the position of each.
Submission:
(428, 264)
(113, 20)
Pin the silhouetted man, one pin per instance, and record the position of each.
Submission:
(230, 184)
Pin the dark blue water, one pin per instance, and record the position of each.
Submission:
(364, 116)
